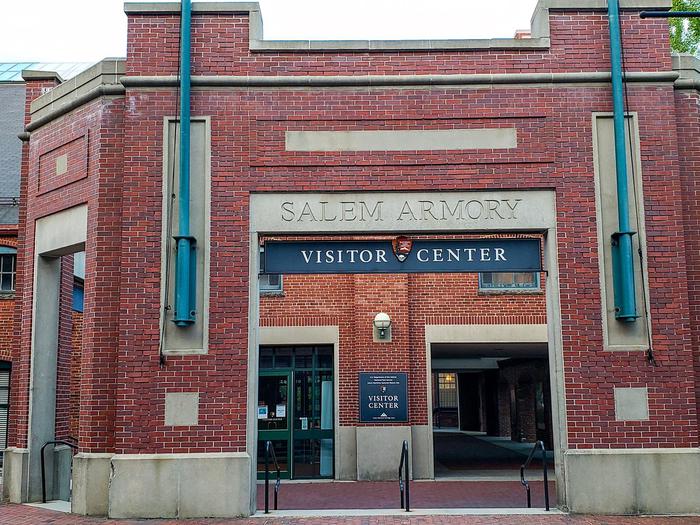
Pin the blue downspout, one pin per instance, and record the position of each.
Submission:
(623, 263)
(185, 265)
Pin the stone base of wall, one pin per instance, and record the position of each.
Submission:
(180, 485)
(15, 474)
(91, 484)
(379, 452)
(633, 481)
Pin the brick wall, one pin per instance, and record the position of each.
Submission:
(579, 42)
(688, 125)
(19, 389)
(64, 356)
(75, 373)
(100, 188)
(7, 309)
(412, 301)
(123, 383)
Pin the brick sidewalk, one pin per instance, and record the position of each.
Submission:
(23, 515)
(424, 495)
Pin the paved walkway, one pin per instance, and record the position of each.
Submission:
(23, 515)
(424, 494)
(459, 451)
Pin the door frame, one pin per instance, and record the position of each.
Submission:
(305, 336)
(291, 403)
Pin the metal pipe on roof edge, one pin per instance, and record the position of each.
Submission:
(185, 284)
(623, 262)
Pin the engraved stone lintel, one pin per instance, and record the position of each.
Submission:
(387, 211)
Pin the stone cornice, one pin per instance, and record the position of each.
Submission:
(74, 99)
(105, 90)
(396, 80)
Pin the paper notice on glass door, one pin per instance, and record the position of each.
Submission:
(281, 410)
(262, 412)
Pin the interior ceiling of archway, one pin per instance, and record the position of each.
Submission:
(487, 350)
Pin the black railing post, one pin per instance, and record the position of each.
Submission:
(525, 483)
(43, 474)
(408, 481)
(270, 451)
(401, 487)
(544, 472)
(404, 478)
(267, 477)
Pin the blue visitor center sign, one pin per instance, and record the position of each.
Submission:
(403, 255)
(383, 397)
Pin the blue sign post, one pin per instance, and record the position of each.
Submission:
(404, 256)
(383, 397)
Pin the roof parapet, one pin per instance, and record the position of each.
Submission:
(31, 75)
(688, 68)
(106, 72)
(540, 18)
(687, 65)
(539, 24)
(257, 43)
(102, 79)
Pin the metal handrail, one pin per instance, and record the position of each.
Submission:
(526, 483)
(73, 446)
(270, 450)
(405, 478)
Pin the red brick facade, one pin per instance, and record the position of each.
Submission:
(123, 383)
(413, 301)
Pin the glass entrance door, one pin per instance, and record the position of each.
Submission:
(308, 443)
(313, 424)
(273, 419)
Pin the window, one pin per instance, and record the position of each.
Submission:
(78, 281)
(447, 390)
(509, 281)
(78, 295)
(269, 282)
(8, 268)
(445, 403)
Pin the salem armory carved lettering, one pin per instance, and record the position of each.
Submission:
(409, 211)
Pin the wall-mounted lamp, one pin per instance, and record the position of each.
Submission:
(382, 326)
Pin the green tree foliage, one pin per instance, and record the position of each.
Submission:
(685, 32)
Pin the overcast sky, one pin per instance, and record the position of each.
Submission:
(89, 30)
